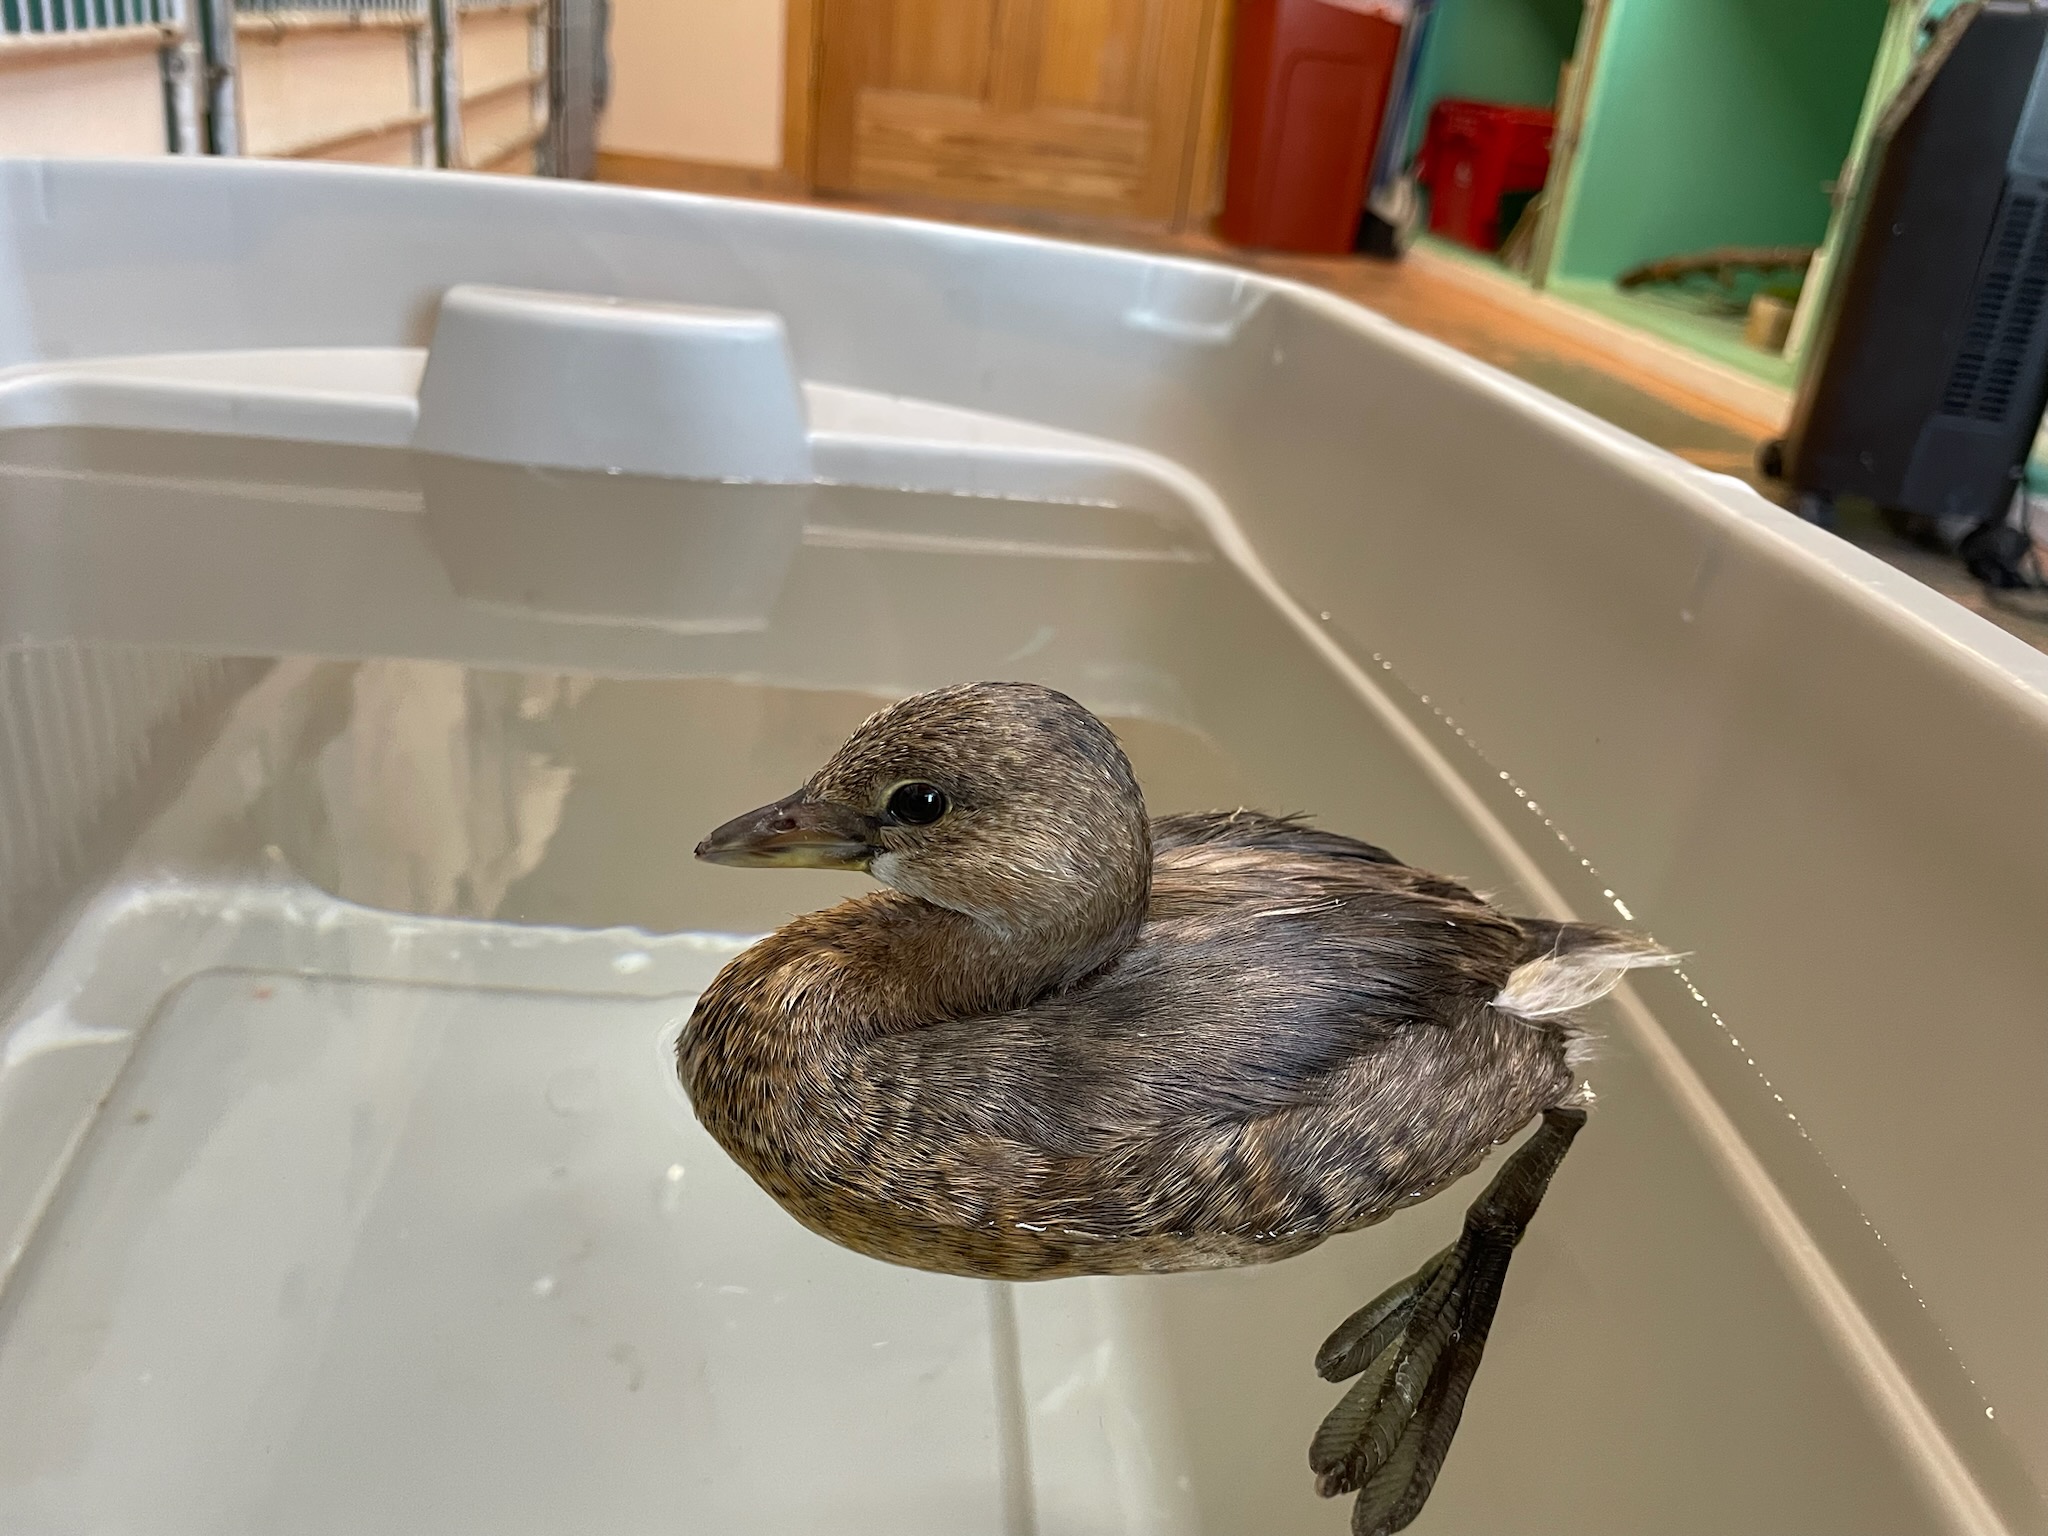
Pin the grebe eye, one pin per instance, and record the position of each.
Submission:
(917, 805)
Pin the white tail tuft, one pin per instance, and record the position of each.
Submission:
(1552, 985)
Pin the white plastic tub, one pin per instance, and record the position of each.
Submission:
(375, 652)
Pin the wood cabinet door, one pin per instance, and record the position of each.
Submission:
(1084, 106)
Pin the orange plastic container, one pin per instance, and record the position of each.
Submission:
(1309, 89)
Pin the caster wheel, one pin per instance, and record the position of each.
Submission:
(1996, 554)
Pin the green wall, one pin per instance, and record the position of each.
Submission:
(1495, 50)
(1715, 122)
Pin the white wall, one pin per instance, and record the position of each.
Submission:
(697, 80)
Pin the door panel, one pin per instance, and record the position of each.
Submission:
(1085, 106)
(936, 47)
(1091, 53)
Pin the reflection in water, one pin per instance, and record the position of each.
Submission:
(574, 801)
(440, 792)
(584, 547)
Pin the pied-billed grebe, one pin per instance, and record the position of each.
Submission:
(1073, 1040)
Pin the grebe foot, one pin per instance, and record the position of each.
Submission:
(1415, 1348)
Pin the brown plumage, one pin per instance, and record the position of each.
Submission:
(1072, 1040)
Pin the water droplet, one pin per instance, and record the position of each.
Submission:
(1988, 1413)
(670, 1199)
(632, 962)
(544, 1287)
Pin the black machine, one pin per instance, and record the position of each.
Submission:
(1931, 361)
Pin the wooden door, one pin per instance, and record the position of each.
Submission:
(1084, 106)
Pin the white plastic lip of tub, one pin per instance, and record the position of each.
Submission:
(580, 382)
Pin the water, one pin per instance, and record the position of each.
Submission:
(380, 1209)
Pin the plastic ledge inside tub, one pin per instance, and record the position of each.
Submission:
(574, 381)
(363, 396)
(568, 382)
